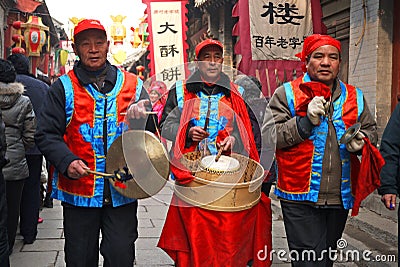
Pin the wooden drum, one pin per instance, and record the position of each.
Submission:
(219, 187)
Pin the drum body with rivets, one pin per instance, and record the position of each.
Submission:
(230, 188)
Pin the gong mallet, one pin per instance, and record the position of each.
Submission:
(119, 175)
(146, 112)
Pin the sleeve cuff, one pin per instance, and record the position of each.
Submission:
(304, 126)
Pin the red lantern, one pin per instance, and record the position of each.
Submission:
(17, 25)
(140, 70)
(18, 50)
(17, 38)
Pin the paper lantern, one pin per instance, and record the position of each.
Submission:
(143, 34)
(18, 50)
(75, 22)
(17, 24)
(63, 57)
(135, 41)
(17, 38)
(117, 29)
(34, 34)
(119, 57)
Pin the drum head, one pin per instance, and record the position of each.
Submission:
(224, 164)
(147, 160)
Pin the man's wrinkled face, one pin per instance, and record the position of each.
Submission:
(92, 47)
(323, 64)
(210, 62)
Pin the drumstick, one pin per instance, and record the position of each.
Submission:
(157, 130)
(219, 154)
(206, 124)
(208, 115)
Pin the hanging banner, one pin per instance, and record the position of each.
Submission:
(278, 28)
(265, 51)
(167, 36)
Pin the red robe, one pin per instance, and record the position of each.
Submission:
(193, 236)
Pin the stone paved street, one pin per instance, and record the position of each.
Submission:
(47, 250)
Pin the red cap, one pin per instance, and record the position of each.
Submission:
(207, 42)
(88, 24)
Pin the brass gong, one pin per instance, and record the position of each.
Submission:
(147, 160)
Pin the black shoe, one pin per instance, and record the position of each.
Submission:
(48, 202)
(29, 240)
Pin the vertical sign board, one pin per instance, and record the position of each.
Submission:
(167, 47)
(278, 28)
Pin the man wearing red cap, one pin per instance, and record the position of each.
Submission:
(311, 115)
(82, 115)
(207, 113)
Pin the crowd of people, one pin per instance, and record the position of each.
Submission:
(21, 96)
(74, 121)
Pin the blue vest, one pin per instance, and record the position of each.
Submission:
(313, 148)
(84, 135)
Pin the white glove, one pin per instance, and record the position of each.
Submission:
(316, 109)
(356, 143)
